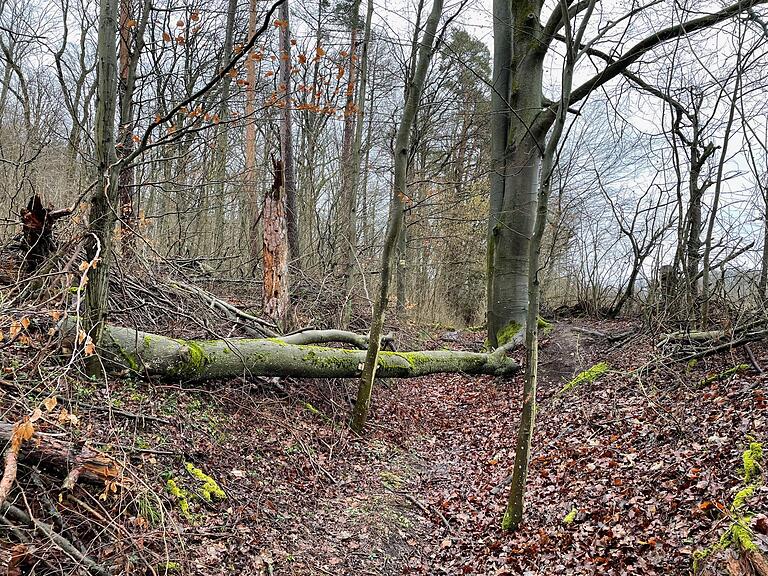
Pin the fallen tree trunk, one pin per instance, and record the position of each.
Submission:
(152, 355)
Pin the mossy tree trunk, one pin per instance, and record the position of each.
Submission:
(402, 147)
(154, 356)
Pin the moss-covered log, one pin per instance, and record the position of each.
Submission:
(151, 355)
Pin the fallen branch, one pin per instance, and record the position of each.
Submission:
(78, 462)
(254, 325)
(11, 461)
(711, 335)
(752, 358)
(62, 543)
(152, 355)
(327, 336)
(750, 337)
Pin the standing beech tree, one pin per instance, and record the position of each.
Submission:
(522, 117)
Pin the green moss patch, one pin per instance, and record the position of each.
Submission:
(725, 374)
(210, 490)
(207, 491)
(587, 376)
(181, 496)
(752, 459)
(507, 333)
(738, 535)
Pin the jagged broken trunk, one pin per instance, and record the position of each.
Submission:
(275, 249)
(154, 356)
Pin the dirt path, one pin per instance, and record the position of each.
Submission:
(640, 463)
(315, 500)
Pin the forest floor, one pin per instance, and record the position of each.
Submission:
(647, 468)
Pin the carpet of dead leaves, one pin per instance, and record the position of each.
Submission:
(649, 464)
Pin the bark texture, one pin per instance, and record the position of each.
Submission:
(104, 204)
(286, 135)
(79, 462)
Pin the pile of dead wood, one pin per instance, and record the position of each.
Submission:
(687, 345)
(73, 462)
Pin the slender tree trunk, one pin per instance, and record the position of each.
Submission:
(286, 136)
(126, 178)
(128, 65)
(348, 170)
(402, 147)
(500, 94)
(249, 183)
(354, 172)
(516, 502)
(763, 284)
(705, 292)
(222, 135)
(402, 268)
(102, 216)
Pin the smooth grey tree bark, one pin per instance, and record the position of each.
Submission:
(153, 356)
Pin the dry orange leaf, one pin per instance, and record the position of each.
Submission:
(26, 431)
(66, 418)
(50, 403)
